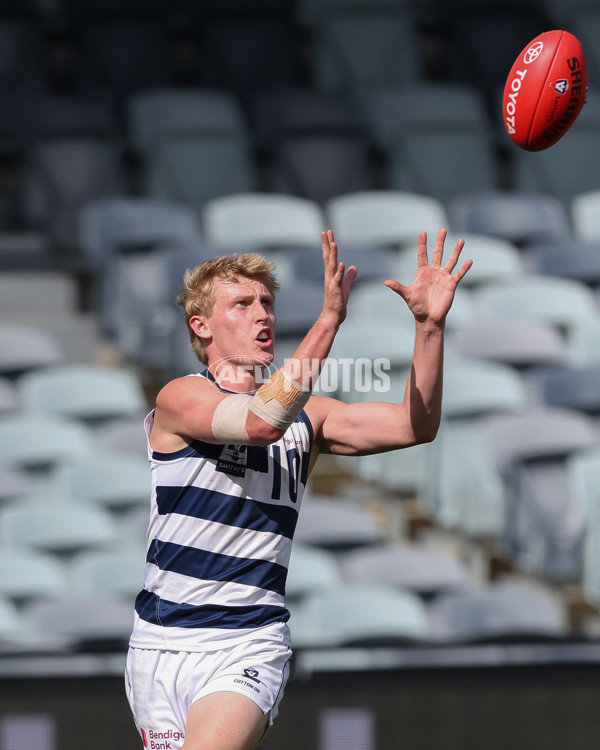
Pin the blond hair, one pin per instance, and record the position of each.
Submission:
(197, 295)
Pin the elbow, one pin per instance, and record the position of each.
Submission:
(261, 432)
(426, 433)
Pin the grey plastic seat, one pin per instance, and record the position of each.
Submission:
(58, 526)
(569, 387)
(261, 220)
(85, 392)
(30, 574)
(494, 259)
(385, 217)
(35, 442)
(228, 168)
(157, 115)
(358, 49)
(583, 343)
(335, 524)
(426, 571)
(311, 569)
(359, 615)
(110, 479)
(61, 176)
(522, 217)
(509, 611)
(585, 215)
(576, 260)
(82, 623)
(519, 343)
(584, 473)
(441, 145)
(124, 435)
(112, 571)
(563, 303)
(545, 520)
(134, 224)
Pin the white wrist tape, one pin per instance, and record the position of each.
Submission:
(280, 400)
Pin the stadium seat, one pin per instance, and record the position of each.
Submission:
(384, 217)
(125, 435)
(439, 145)
(82, 623)
(157, 115)
(336, 524)
(60, 526)
(517, 216)
(171, 171)
(311, 569)
(545, 520)
(576, 260)
(359, 615)
(361, 48)
(583, 343)
(415, 567)
(560, 302)
(585, 213)
(36, 442)
(258, 221)
(519, 343)
(61, 176)
(9, 398)
(85, 392)
(114, 572)
(494, 259)
(503, 612)
(313, 144)
(569, 387)
(584, 474)
(110, 479)
(29, 574)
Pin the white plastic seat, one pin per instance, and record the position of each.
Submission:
(262, 220)
(382, 217)
(86, 392)
(61, 527)
(116, 481)
(39, 441)
(359, 614)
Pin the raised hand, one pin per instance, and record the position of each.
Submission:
(431, 294)
(338, 280)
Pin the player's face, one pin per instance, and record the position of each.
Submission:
(242, 323)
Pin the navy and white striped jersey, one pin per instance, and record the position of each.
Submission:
(219, 540)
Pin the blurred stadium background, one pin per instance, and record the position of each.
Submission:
(447, 596)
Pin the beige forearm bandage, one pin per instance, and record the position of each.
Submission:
(229, 419)
(278, 402)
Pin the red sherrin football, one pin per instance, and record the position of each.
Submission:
(545, 90)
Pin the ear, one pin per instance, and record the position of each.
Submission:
(199, 325)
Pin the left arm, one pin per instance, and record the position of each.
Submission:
(373, 427)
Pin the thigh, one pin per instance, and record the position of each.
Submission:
(224, 721)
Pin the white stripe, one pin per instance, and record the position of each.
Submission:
(176, 587)
(225, 540)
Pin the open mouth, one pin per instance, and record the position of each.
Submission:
(264, 337)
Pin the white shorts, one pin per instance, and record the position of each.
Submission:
(162, 685)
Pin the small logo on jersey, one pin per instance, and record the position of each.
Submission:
(251, 674)
(562, 86)
(233, 460)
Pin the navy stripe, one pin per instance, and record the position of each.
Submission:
(170, 614)
(211, 505)
(212, 566)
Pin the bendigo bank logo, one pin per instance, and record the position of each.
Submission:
(169, 739)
